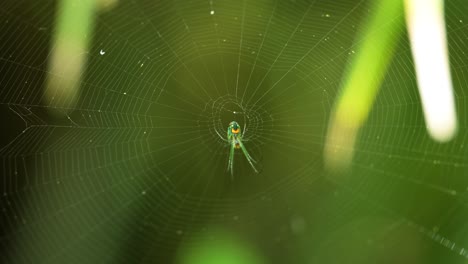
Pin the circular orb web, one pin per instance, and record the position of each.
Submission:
(281, 117)
(136, 163)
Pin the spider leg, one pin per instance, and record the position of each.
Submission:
(244, 150)
(219, 135)
(247, 155)
(231, 158)
(245, 130)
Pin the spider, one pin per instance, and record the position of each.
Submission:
(234, 138)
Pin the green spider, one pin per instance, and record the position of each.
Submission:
(234, 138)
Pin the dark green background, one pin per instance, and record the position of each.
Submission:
(137, 167)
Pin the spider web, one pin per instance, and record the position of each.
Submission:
(138, 164)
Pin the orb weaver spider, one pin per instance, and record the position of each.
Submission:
(234, 138)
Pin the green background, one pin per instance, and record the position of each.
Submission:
(134, 171)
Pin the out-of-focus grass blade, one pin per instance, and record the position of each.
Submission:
(362, 81)
(426, 26)
(73, 32)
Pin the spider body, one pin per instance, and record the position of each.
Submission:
(234, 138)
(234, 134)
